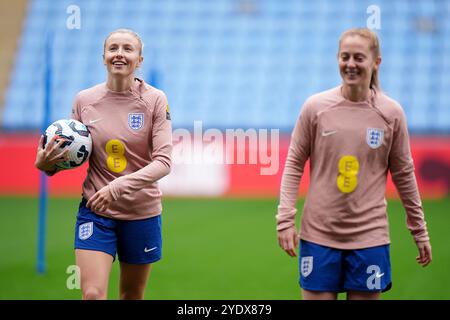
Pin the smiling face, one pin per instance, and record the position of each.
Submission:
(122, 54)
(357, 61)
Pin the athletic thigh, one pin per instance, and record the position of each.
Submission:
(133, 280)
(95, 250)
(318, 295)
(95, 267)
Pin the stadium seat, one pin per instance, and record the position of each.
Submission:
(230, 62)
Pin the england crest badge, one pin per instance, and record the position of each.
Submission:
(374, 137)
(85, 230)
(135, 120)
(306, 266)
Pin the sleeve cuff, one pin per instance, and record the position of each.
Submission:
(285, 218)
(114, 189)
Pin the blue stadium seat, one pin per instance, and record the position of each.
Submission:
(228, 63)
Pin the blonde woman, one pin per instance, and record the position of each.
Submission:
(353, 135)
(120, 212)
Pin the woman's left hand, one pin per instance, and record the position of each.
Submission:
(101, 200)
(424, 257)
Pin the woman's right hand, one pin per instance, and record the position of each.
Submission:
(288, 240)
(48, 157)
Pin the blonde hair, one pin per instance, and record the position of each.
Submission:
(129, 31)
(374, 46)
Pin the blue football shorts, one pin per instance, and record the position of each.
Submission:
(327, 269)
(134, 241)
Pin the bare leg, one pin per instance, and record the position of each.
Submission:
(95, 267)
(133, 280)
(318, 295)
(361, 295)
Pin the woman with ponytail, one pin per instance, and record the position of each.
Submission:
(353, 136)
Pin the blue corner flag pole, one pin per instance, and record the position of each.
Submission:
(42, 223)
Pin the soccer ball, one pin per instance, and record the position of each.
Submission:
(76, 138)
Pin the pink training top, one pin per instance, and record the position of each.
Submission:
(351, 146)
(132, 144)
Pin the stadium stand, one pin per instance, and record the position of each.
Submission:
(234, 63)
(10, 29)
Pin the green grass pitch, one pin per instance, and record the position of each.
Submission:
(213, 249)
